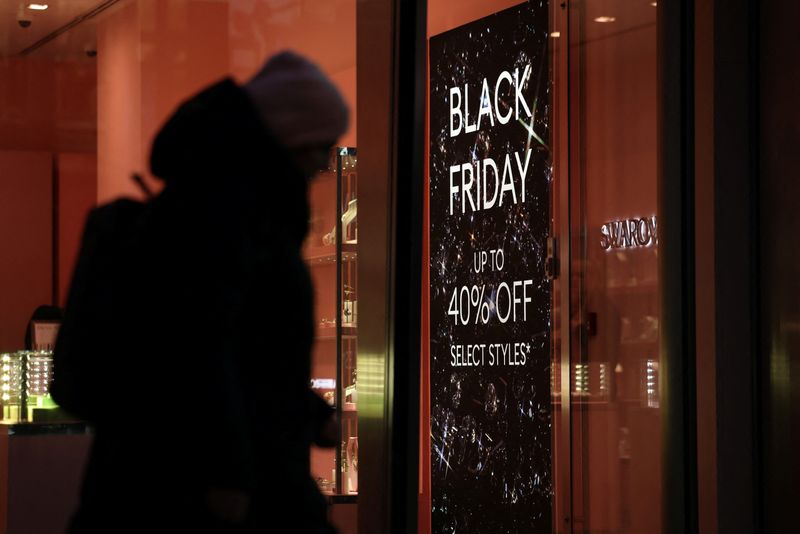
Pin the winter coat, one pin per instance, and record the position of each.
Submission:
(206, 384)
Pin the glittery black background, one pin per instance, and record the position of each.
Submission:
(491, 425)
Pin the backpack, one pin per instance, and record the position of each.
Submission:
(95, 318)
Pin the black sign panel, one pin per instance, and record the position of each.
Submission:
(490, 173)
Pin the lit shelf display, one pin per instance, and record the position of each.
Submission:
(331, 253)
(26, 378)
(650, 394)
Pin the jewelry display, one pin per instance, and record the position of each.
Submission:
(25, 378)
(352, 464)
(332, 260)
(348, 306)
(348, 219)
(330, 237)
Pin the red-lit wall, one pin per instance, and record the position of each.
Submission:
(47, 125)
(26, 227)
(47, 105)
(119, 88)
(76, 194)
(152, 55)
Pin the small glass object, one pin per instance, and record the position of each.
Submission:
(39, 376)
(351, 473)
(11, 385)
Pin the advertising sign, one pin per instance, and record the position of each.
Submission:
(490, 303)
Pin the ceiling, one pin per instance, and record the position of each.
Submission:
(602, 19)
(72, 44)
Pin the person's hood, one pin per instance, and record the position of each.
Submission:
(300, 105)
(216, 142)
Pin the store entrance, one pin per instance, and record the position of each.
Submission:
(611, 298)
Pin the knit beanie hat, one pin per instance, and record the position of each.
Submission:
(298, 104)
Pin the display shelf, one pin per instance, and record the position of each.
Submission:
(331, 254)
(36, 429)
(588, 402)
(328, 333)
(643, 287)
(634, 402)
(344, 498)
(326, 254)
(643, 343)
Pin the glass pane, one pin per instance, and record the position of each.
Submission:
(348, 296)
(335, 364)
(320, 255)
(615, 316)
(85, 86)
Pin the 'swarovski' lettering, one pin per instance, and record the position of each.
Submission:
(629, 233)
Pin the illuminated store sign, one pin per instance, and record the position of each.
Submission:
(629, 233)
(489, 297)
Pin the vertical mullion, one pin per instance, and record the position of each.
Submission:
(338, 317)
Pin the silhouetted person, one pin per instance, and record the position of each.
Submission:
(201, 405)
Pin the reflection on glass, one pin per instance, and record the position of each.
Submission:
(650, 381)
(603, 379)
(352, 465)
(615, 357)
(581, 379)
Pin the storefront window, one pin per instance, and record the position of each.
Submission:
(84, 87)
(595, 130)
(616, 417)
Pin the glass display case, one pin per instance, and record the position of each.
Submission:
(25, 378)
(331, 252)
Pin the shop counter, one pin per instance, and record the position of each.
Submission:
(41, 469)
